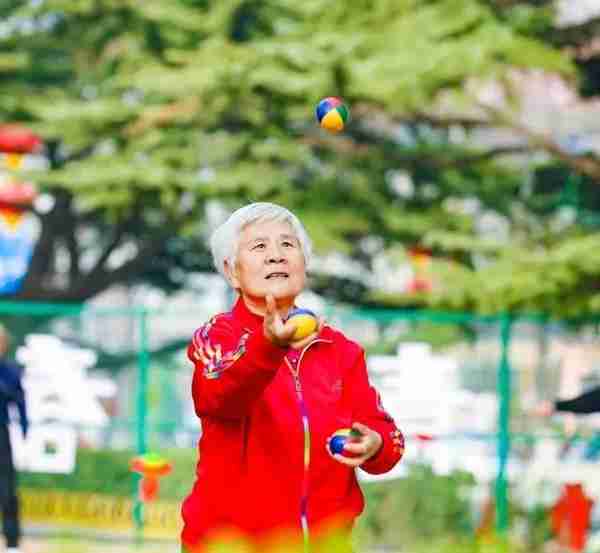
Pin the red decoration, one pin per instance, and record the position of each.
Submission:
(421, 259)
(419, 285)
(17, 194)
(148, 489)
(416, 251)
(12, 217)
(570, 517)
(15, 139)
(151, 467)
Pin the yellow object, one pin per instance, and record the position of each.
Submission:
(11, 217)
(306, 323)
(13, 161)
(60, 509)
(332, 121)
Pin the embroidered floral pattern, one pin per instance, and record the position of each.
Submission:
(212, 357)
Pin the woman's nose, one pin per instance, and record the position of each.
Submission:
(275, 255)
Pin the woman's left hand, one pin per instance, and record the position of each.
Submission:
(362, 447)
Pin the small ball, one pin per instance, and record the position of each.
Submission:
(332, 114)
(305, 320)
(339, 438)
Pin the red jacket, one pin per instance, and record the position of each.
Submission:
(263, 460)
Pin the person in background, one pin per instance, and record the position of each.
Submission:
(269, 402)
(584, 404)
(11, 392)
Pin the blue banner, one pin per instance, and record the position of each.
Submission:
(16, 248)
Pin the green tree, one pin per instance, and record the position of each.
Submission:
(152, 110)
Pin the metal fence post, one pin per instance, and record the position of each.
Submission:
(141, 412)
(504, 389)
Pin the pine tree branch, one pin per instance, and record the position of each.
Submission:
(584, 164)
(80, 154)
(98, 281)
(72, 245)
(42, 259)
(112, 245)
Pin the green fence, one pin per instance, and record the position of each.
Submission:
(505, 361)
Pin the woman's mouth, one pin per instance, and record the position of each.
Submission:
(277, 275)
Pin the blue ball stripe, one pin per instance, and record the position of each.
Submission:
(323, 109)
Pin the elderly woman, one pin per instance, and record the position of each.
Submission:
(268, 403)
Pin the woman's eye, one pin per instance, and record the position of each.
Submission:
(288, 244)
(258, 247)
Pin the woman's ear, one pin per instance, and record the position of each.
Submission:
(231, 274)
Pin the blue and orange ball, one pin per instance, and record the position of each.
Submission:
(338, 440)
(332, 114)
(305, 320)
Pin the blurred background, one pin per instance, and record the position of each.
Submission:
(456, 221)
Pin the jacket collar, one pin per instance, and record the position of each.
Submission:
(246, 318)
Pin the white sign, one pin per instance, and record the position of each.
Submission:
(50, 447)
(61, 399)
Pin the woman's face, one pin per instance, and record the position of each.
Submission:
(269, 261)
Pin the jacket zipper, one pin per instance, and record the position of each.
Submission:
(294, 366)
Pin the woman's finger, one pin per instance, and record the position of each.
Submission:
(271, 306)
(358, 448)
(350, 461)
(364, 430)
(286, 330)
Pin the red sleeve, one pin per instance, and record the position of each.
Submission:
(368, 410)
(232, 368)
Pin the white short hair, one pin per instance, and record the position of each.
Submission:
(224, 241)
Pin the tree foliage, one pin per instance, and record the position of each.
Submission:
(153, 110)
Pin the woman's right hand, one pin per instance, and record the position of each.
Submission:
(280, 333)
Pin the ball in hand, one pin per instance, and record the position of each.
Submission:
(305, 320)
(339, 438)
